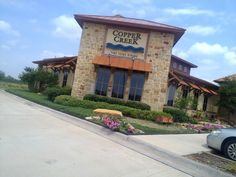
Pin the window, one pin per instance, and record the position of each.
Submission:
(174, 65)
(185, 69)
(171, 95)
(204, 107)
(119, 81)
(180, 67)
(103, 76)
(65, 78)
(136, 86)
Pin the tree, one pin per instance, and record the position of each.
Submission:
(227, 100)
(38, 79)
(183, 103)
(2, 75)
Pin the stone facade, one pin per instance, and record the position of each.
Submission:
(158, 54)
(91, 44)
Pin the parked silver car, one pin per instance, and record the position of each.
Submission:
(223, 140)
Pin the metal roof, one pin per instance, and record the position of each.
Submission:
(173, 57)
(55, 60)
(131, 22)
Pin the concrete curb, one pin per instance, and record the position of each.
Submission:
(170, 159)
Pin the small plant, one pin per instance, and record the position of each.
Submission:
(194, 104)
(126, 111)
(182, 103)
(116, 124)
(179, 115)
(132, 104)
(53, 92)
(204, 127)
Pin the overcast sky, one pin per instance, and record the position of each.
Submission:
(33, 30)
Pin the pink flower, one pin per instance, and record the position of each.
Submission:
(112, 124)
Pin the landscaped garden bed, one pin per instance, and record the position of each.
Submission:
(133, 121)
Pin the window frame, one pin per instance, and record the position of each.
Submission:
(136, 86)
(102, 81)
(119, 85)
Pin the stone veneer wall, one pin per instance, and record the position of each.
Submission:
(158, 54)
(91, 44)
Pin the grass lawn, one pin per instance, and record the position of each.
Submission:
(146, 126)
(8, 85)
(42, 100)
(150, 127)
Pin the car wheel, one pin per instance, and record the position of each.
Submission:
(230, 149)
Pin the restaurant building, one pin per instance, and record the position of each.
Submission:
(130, 59)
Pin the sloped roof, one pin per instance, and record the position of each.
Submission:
(131, 22)
(54, 60)
(196, 80)
(191, 65)
(230, 77)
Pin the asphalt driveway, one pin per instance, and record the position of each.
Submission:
(35, 143)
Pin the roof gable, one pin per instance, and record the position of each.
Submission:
(131, 22)
(178, 59)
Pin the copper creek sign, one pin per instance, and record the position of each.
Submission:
(126, 43)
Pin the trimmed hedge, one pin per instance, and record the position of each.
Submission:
(126, 111)
(179, 115)
(53, 92)
(132, 104)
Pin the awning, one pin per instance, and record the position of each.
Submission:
(194, 86)
(184, 82)
(205, 90)
(181, 82)
(122, 63)
(63, 64)
(213, 92)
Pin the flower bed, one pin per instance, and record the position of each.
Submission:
(110, 123)
(204, 127)
(114, 122)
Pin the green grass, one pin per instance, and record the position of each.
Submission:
(163, 130)
(150, 127)
(146, 126)
(42, 100)
(8, 85)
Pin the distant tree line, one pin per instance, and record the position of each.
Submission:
(8, 78)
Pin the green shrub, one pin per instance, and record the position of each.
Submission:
(53, 92)
(179, 115)
(132, 104)
(126, 111)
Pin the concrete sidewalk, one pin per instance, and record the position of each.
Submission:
(35, 143)
(180, 144)
(45, 142)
